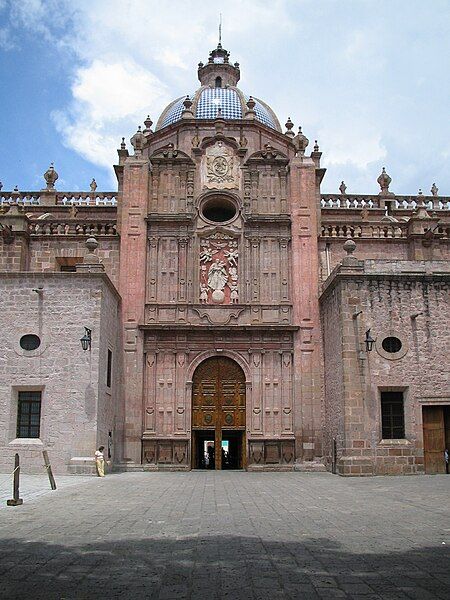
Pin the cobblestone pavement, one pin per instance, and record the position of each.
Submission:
(234, 535)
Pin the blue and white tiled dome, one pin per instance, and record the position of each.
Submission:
(208, 100)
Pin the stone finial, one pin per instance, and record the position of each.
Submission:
(349, 260)
(16, 189)
(316, 146)
(384, 182)
(91, 257)
(1, 186)
(349, 247)
(122, 144)
(148, 123)
(51, 177)
(420, 201)
(289, 125)
(342, 188)
(434, 190)
(91, 244)
(187, 103)
(91, 263)
(138, 141)
(301, 141)
(251, 104)
(93, 185)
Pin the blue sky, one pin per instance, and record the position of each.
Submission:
(370, 79)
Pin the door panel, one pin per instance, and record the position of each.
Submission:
(434, 439)
(218, 399)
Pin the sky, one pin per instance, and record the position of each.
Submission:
(369, 79)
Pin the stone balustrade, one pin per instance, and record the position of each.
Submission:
(62, 198)
(72, 228)
(344, 201)
(365, 230)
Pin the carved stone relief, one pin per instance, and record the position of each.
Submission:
(219, 269)
(220, 168)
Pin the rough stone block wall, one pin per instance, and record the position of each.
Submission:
(392, 299)
(14, 257)
(44, 254)
(67, 376)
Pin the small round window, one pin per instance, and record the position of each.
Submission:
(30, 342)
(391, 344)
(219, 210)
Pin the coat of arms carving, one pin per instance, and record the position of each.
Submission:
(219, 168)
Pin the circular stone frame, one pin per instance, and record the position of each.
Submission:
(391, 355)
(220, 206)
(30, 339)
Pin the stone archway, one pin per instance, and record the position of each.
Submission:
(218, 414)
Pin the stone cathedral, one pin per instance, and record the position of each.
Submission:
(231, 316)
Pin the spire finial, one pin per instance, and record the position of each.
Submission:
(220, 29)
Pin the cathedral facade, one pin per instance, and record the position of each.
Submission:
(232, 316)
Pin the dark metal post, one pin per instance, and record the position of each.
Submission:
(49, 470)
(15, 501)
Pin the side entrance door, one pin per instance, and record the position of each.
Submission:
(434, 439)
(218, 414)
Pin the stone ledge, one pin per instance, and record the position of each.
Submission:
(81, 465)
(310, 466)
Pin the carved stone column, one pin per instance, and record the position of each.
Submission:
(284, 270)
(182, 268)
(256, 423)
(150, 392)
(255, 268)
(151, 275)
(286, 392)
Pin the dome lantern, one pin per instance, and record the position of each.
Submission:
(218, 72)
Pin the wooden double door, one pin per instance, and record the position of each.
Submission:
(218, 415)
(436, 437)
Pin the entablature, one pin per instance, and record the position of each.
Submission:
(235, 315)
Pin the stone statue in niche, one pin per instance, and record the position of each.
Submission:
(219, 168)
(217, 275)
(218, 269)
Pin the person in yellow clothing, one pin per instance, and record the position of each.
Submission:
(100, 461)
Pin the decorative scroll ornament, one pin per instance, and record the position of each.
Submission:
(219, 270)
(219, 168)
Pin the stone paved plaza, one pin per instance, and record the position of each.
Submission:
(236, 535)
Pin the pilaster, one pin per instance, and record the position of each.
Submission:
(305, 283)
(132, 283)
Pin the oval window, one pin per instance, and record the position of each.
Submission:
(391, 344)
(29, 342)
(219, 210)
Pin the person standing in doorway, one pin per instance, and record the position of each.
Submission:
(446, 460)
(100, 461)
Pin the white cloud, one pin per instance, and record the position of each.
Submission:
(107, 97)
(133, 55)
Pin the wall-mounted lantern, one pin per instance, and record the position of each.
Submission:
(86, 339)
(369, 341)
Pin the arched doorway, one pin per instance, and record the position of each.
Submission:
(218, 415)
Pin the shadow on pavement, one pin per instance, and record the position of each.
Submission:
(213, 567)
